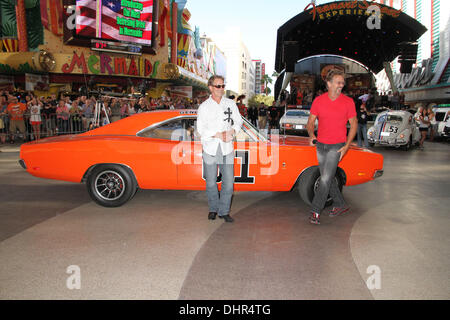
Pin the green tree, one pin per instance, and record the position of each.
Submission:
(266, 79)
(8, 21)
(256, 100)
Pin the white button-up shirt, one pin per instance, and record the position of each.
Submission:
(213, 117)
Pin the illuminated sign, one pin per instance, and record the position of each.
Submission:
(120, 20)
(358, 8)
(104, 64)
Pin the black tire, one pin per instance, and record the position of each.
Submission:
(371, 144)
(111, 185)
(308, 183)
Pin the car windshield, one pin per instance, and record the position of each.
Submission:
(297, 113)
(252, 131)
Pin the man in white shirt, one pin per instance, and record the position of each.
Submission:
(218, 121)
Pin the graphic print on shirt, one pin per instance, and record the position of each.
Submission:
(229, 113)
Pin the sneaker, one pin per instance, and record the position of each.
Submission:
(337, 211)
(314, 218)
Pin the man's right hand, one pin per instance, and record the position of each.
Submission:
(312, 141)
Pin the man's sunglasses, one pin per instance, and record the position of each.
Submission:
(219, 86)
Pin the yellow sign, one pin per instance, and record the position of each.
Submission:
(359, 8)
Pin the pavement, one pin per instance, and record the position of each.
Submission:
(55, 243)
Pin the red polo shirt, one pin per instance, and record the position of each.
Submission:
(333, 117)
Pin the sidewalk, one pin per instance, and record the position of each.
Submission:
(8, 147)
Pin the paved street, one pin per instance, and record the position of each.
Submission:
(160, 245)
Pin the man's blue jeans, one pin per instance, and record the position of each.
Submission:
(219, 203)
(328, 160)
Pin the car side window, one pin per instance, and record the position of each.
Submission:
(171, 130)
(190, 128)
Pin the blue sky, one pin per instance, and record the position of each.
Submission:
(258, 21)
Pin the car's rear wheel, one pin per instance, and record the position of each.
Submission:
(309, 184)
(407, 146)
(111, 185)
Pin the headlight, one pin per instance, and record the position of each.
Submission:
(401, 136)
(370, 133)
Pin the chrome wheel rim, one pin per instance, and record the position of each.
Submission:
(109, 185)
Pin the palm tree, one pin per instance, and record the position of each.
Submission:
(266, 79)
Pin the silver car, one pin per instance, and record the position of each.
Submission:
(394, 129)
(295, 121)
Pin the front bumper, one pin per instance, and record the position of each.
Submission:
(389, 143)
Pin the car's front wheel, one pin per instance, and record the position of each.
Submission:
(309, 184)
(111, 185)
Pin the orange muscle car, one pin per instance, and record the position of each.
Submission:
(162, 150)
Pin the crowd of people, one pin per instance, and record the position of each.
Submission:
(35, 117)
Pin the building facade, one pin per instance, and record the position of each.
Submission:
(429, 79)
(240, 67)
(72, 55)
(260, 71)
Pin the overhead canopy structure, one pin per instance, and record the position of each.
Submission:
(342, 28)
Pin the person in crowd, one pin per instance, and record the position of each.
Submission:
(124, 109)
(35, 108)
(218, 122)
(332, 110)
(49, 115)
(299, 97)
(362, 115)
(75, 117)
(433, 123)
(4, 119)
(16, 111)
(115, 110)
(308, 99)
(105, 114)
(241, 106)
(87, 112)
(262, 116)
(273, 117)
(131, 109)
(62, 117)
(424, 117)
(253, 115)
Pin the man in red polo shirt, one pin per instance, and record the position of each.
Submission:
(332, 110)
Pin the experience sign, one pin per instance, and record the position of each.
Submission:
(359, 8)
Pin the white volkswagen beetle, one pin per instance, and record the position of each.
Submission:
(394, 129)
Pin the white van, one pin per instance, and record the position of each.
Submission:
(441, 115)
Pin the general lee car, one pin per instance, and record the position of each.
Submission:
(162, 150)
(394, 129)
